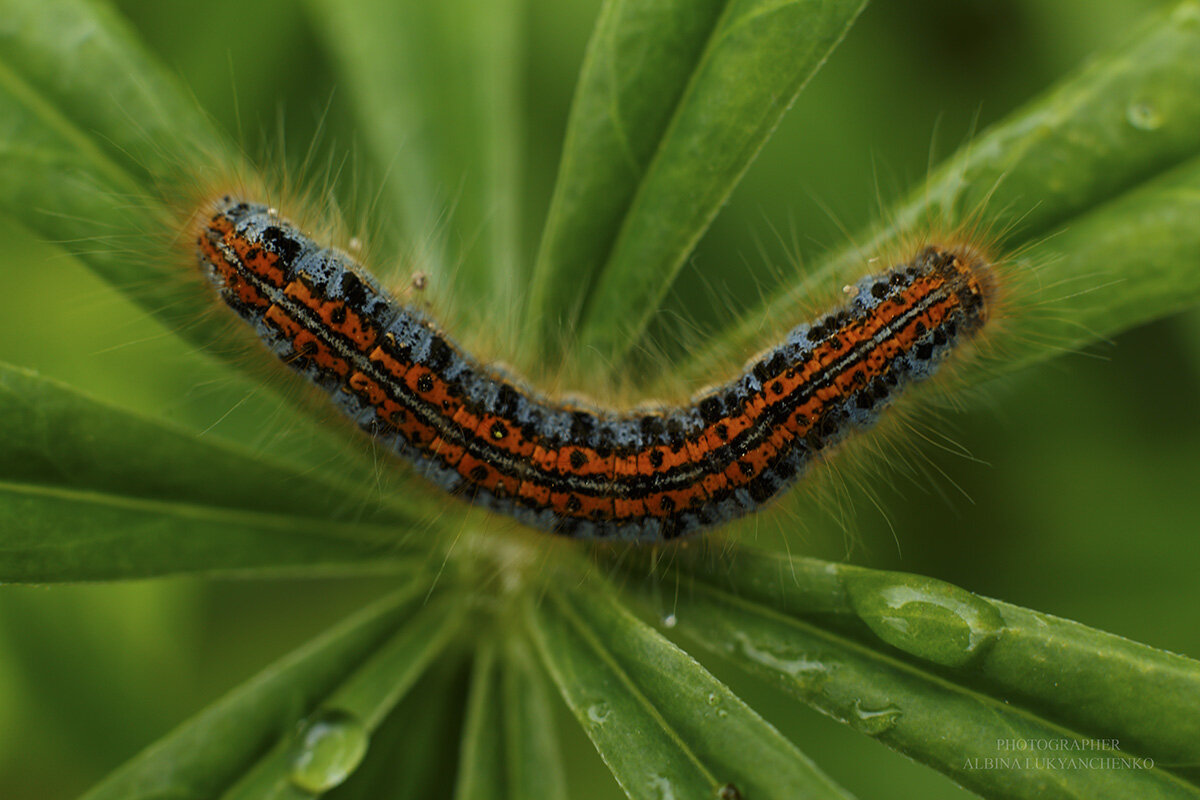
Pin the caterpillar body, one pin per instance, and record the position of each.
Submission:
(580, 471)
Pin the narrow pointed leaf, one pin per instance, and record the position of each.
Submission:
(414, 751)
(637, 66)
(296, 769)
(948, 677)
(99, 150)
(90, 121)
(1119, 122)
(90, 492)
(481, 769)
(533, 758)
(509, 746)
(435, 88)
(1128, 261)
(79, 59)
(208, 753)
(662, 723)
(755, 60)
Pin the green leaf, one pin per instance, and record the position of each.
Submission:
(662, 724)
(481, 771)
(635, 71)
(948, 677)
(535, 765)
(1125, 263)
(399, 764)
(435, 89)
(509, 746)
(298, 767)
(675, 100)
(91, 492)
(85, 71)
(99, 149)
(1119, 122)
(673, 104)
(89, 121)
(361, 667)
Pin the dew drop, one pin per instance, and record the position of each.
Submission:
(727, 791)
(598, 712)
(330, 747)
(1144, 116)
(928, 618)
(662, 787)
(875, 721)
(809, 673)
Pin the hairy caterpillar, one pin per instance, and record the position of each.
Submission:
(642, 475)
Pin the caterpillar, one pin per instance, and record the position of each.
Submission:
(586, 472)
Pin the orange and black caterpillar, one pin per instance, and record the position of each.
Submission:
(587, 472)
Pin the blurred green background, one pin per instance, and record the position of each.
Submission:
(1081, 502)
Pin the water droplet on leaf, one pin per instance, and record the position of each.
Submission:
(662, 786)
(781, 657)
(727, 791)
(928, 618)
(1144, 116)
(331, 746)
(875, 721)
(598, 712)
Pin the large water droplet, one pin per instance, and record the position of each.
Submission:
(931, 619)
(874, 721)
(331, 746)
(1144, 116)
